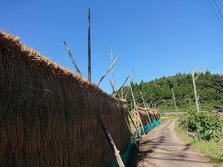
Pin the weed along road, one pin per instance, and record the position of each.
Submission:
(163, 148)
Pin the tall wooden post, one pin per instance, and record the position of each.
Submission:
(195, 90)
(89, 45)
(174, 100)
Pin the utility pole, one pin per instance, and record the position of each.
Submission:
(195, 90)
(89, 45)
(174, 100)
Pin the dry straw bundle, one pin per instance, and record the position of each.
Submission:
(148, 114)
(48, 116)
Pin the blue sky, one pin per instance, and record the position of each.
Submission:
(154, 37)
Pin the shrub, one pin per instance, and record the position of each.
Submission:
(206, 124)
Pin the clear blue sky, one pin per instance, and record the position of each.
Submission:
(154, 37)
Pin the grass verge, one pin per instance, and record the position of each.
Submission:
(212, 149)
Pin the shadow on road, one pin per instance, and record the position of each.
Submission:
(164, 148)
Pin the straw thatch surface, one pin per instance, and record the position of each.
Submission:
(145, 112)
(48, 116)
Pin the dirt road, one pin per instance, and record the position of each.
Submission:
(162, 148)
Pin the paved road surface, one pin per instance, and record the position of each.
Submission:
(162, 148)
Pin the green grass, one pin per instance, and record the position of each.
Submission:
(212, 149)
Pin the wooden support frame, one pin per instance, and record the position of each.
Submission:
(136, 110)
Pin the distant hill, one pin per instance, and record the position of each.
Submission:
(157, 93)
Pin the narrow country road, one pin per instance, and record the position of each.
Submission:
(163, 148)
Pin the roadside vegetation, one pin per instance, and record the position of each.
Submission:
(158, 93)
(202, 125)
(203, 131)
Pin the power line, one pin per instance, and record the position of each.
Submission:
(218, 9)
(216, 14)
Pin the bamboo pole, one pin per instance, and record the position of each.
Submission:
(127, 93)
(72, 59)
(174, 100)
(136, 110)
(113, 78)
(109, 138)
(128, 89)
(195, 91)
(125, 80)
(143, 100)
(122, 93)
(145, 105)
(113, 89)
(89, 45)
(134, 124)
(101, 79)
(112, 145)
(139, 119)
(189, 101)
(132, 134)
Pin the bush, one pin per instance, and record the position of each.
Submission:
(206, 124)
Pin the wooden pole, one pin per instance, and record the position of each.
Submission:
(189, 101)
(113, 80)
(101, 79)
(174, 100)
(125, 80)
(195, 91)
(134, 124)
(150, 104)
(127, 93)
(136, 109)
(89, 45)
(113, 89)
(134, 102)
(109, 138)
(145, 105)
(143, 100)
(139, 119)
(128, 90)
(112, 145)
(131, 132)
(72, 59)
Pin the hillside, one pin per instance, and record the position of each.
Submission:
(157, 93)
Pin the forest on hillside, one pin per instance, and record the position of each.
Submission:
(158, 93)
